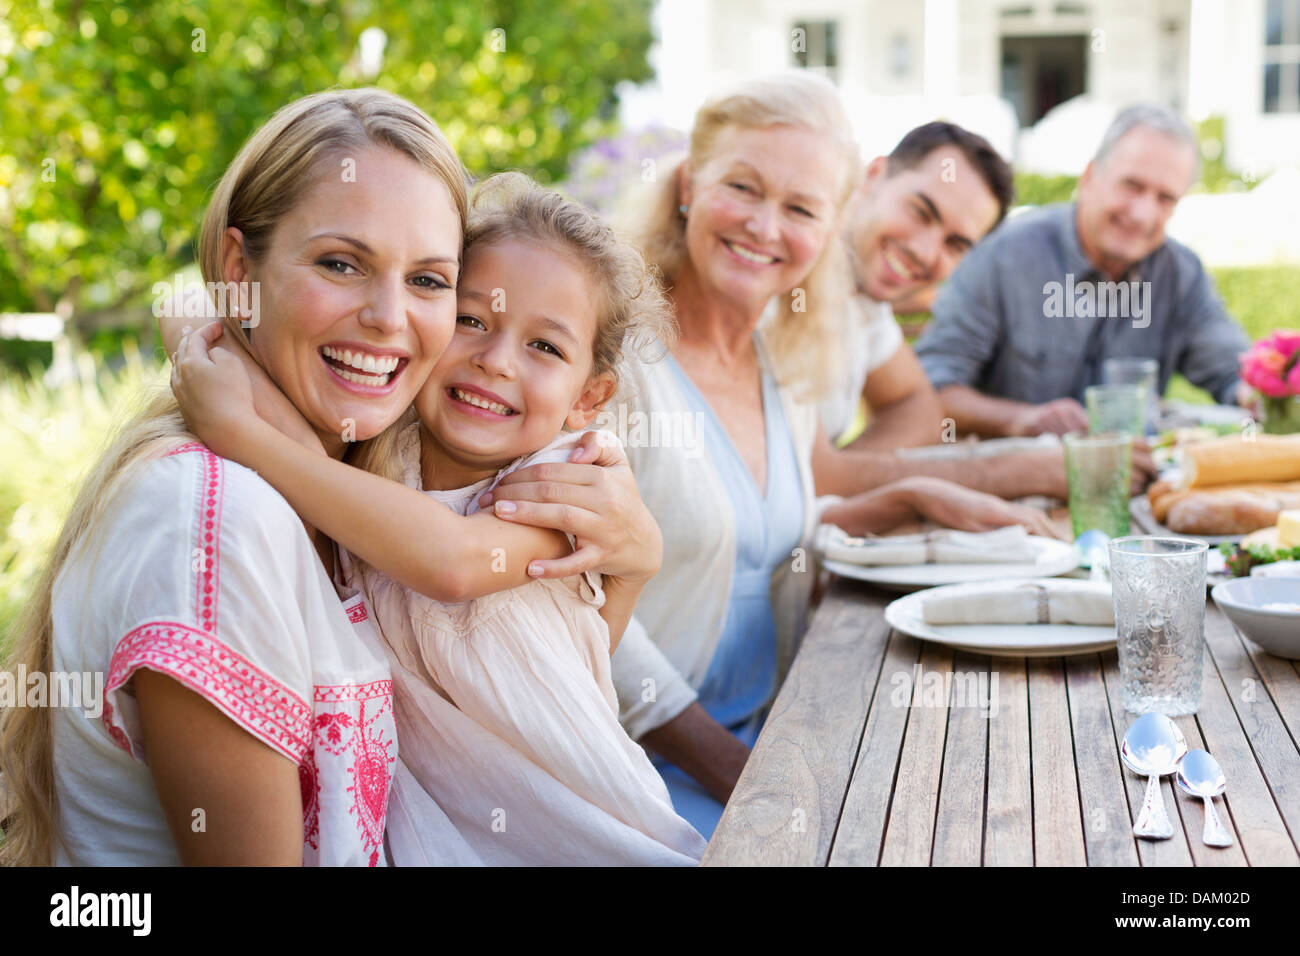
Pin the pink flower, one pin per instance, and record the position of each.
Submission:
(1285, 341)
(1271, 364)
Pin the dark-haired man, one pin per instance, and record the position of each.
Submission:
(915, 214)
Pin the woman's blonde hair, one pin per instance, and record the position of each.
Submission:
(275, 168)
(802, 337)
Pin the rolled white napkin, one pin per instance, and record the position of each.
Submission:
(1026, 603)
(986, 448)
(1278, 569)
(1009, 545)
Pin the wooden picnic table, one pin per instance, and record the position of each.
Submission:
(848, 772)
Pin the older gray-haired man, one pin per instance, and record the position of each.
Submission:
(1027, 320)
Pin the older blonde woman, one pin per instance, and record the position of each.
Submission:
(743, 226)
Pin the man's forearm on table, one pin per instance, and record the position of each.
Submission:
(852, 472)
(698, 745)
(975, 413)
(910, 422)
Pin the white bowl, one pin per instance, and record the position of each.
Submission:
(1246, 602)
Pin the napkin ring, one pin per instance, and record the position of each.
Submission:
(931, 557)
(1044, 603)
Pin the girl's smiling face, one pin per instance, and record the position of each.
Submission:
(519, 366)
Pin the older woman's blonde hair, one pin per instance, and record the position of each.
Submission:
(267, 179)
(803, 332)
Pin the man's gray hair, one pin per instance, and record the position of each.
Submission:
(1159, 118)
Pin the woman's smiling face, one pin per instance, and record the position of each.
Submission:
(519, 367)
(760, 211)
(357, 294)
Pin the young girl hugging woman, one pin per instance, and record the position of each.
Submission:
(530, 762)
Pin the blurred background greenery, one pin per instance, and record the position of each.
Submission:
(118, 119)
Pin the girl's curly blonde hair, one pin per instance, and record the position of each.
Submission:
(633, 312)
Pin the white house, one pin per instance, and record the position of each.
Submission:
(1039, 78)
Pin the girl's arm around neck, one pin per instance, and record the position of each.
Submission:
(417, 541)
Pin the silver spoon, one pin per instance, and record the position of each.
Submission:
(1199, 774)
(1152, 747)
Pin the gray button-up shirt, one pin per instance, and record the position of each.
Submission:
(1027, 316)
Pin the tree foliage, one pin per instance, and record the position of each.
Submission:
(118, 119)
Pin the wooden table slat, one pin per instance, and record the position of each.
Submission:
(909, 834)
(861, 831)
(1058, 823)
(1273, 748)
(959, 823)
(1248, 799)
(786, 804)
(1008, 821)
(1107, 830)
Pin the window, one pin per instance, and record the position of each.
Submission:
(815, 44)
(1282, 56)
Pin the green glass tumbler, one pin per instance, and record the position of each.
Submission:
(1116, 408)
(1097, 470)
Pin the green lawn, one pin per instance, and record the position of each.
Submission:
(1261, 300)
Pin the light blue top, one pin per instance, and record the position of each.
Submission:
(742, 674)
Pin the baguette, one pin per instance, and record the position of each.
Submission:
(1233, 460)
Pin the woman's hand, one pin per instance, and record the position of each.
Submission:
(213, 389)
(593, 497)
(956, 506)
(269, 403)
(944, 502)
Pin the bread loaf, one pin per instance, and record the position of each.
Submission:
(1228, 510)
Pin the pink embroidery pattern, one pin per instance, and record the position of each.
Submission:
(357, 613)
(338, 732)
(114, 731)
(248, 695)
(188, 446)
(208, 535)
(309, 779)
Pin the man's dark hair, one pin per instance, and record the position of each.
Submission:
(992, 168)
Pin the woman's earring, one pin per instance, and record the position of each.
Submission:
(682, 209)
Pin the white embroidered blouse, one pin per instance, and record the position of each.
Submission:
(201, 571)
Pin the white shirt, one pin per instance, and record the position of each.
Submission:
(668, 645)
(870, 338)
(201, 571)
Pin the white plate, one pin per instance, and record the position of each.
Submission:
(1054, 557)
(1000, 640)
